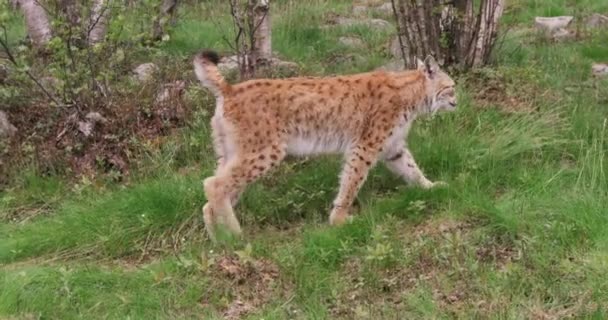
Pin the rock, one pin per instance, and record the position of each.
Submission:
(552, 24)
(169, 101)
(360, 10)
(379, 24)
(96, 117)
(597, 20)
(563, 35)
(393, 65)
(93, 119)
(385, 9)
(145, 72)
(395, 48)
(286, 68)
(599, 69)
(6, 128)
(85, 127)
(352, 42)
(372, 23)
(228, 65)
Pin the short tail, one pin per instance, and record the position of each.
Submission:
(205, 67)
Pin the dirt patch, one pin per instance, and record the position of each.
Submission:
(495, 88)
(436, 228)
(248, 284)
(498, 254)
(105, 135)
(368, 290)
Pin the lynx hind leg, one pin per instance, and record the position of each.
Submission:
(220, 147)
(223, 188)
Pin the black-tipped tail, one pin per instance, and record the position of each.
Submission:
(210, 56)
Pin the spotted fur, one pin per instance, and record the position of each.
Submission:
(364, 116)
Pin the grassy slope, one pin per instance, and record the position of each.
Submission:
(520, 232)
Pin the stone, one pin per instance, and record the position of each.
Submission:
(395, 48)
(228, 64)
(360, 10)
(552, 24)
(7, 129)
(393, 65)
(379, 24)
(563, 35)
(372, 23)
(145, 72)
(85, 127)
(599, 69)
(96, 117)
(169, 101)
(385, 9)
(597, 20)
(352, 42)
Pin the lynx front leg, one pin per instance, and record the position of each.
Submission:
(401, 162)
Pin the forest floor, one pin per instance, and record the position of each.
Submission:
(520, 232)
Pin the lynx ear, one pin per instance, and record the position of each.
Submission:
(420, 65)
(431, 67)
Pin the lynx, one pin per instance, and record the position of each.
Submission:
(364, 116)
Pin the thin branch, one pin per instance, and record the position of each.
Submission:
(11, 58)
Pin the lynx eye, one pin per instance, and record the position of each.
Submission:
(447, 92)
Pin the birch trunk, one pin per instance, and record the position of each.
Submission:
(166, 14)
(99, 21)
(37, 22)
(262, 46)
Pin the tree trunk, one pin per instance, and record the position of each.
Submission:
(37, 22)
(452, 31)
(14, 4)
(166, 15)
(262, 44)
(99, 21)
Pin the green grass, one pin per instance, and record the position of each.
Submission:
(519, 233)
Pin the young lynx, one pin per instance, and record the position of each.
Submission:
(364, 116)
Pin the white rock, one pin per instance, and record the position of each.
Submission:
(372, 23)
(563, 35)
(599, 69)
(228, 64)
(379, 24)
(393, 65)
(85, 127)
(552, 24)
(170, 91)
(353, 42)
(386, 8)
(395, 48)
(360, 10)
(597, 20)
(6, 128)
(145, 72)
(96, 117)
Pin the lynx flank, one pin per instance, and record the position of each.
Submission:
(364, 116)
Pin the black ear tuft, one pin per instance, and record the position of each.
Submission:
(210, 56)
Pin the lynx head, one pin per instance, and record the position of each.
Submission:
(441, 91)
